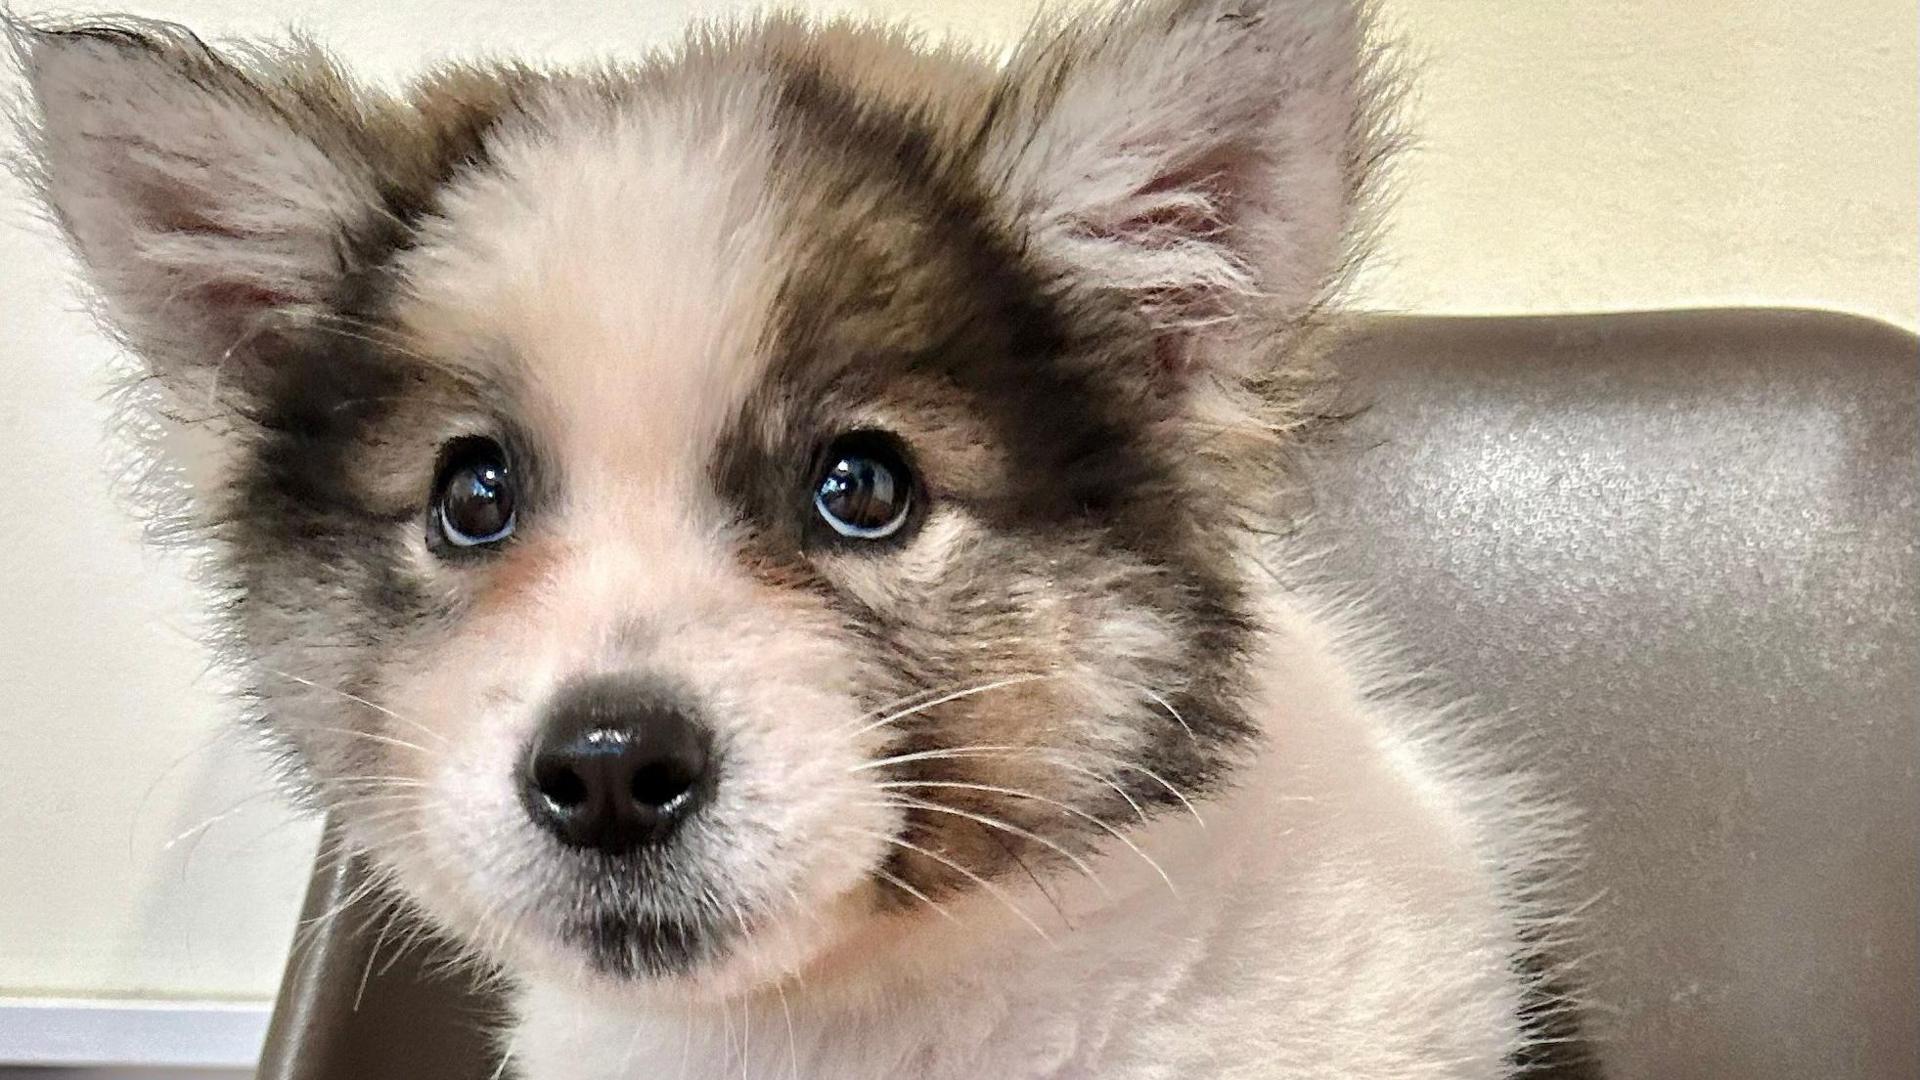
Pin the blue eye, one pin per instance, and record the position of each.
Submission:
(864, 490)
(474, 500)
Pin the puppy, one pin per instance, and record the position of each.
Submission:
(767, 545)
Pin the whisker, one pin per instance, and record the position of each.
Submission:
(1046, 754)
(366, 973)
(1055, 803)
(633, 1048)
(793, 1044)
(746, 1029)
(400, 809)
(956, 695)
(1171, 711)
(312, 927)
(1121, 763)
(216, 819)
(991, 822)
(418, 795)
(984, 884)
(506, 1059)
(351, 328)
(374, 736)
(892, 879)
(900, 883)
(1038, 885)
(357, 783)
(140, 807)
(1138, 810)
(357, 699)
(900, 702)
(942, 753)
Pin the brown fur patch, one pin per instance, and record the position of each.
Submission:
(1057, 523)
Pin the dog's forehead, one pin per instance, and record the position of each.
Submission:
(623, 252)
(617, 264)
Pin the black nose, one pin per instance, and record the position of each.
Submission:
(616, 764)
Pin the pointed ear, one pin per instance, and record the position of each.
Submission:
(1204, 158)
(199, 197)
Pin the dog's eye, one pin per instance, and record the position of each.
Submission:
(473, 502)
(864, 490)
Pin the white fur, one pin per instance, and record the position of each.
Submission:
(1347, 910)
(620, 260)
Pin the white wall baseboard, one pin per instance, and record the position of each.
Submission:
(191, 1034)
(118, 1073)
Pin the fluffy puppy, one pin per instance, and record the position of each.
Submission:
(762, 544)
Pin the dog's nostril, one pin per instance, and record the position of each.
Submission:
(660, 784)
(559, 785)
(614, 766)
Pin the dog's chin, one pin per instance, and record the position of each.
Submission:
(620, 948)
(617, 942)
(627, 946)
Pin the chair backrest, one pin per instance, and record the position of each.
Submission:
(1673, 555)
(366, 999)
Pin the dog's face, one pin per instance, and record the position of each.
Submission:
(675, 518)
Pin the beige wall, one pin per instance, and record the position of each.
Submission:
(1574, 156)
(1651, 153)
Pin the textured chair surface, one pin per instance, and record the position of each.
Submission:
(1671, 557)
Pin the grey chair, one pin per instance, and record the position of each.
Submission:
(1671, 556)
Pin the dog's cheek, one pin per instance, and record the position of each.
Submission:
(1066, 622)
(455, 701)
(1042, 646)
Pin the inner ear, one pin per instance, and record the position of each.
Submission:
(1200, 159)
(203, 195)
(1197, 203)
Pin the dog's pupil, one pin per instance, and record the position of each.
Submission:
(861, 492)
(478, 505)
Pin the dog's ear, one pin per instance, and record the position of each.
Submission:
(203, 198)
(1204, 158)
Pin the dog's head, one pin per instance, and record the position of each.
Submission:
(676, 516)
